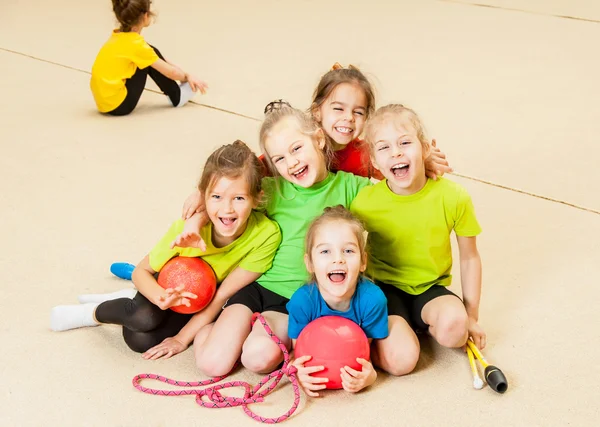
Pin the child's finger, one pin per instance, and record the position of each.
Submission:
(312, 369)
(351, 371)
(311, 393)
(483, 342)
(364, 362)
(315, 386)
(188, 295)
(302, 360)
(434, 143)
(347, 378)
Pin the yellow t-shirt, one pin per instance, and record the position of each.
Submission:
(117, 61)
(253, 250)
(409, 236)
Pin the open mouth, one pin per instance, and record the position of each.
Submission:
(301, 173)
(400, 170)
(337, 276)
(227, 222)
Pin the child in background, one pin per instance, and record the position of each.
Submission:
(125, 61)
(241, 244)
(409, 219)
(335, 256)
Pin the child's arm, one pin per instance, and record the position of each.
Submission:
(470, 275)
(354, 381)
(235, 281)
(436, 163)
(145, 283)
(173, 72)
(195, 218)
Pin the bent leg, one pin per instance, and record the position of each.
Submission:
(397, 354)
(143, 341)
(260, 353)
(168, 86)
(447, 319)
(137, 314)
(218, 346)
(135, 86)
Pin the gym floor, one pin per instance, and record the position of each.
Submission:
(508, 88)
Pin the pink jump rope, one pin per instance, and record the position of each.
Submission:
(251, 395)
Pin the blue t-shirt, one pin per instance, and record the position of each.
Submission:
(368, 309)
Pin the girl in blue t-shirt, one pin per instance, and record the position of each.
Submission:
(335, 257)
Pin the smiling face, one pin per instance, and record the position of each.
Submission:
(342, 115)
(228, 205)
(297, 157)
(398, 153)
(336, 260)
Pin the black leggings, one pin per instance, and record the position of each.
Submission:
(136, 83)
(144, 324)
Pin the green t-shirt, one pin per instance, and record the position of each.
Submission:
(294, 208)
(253, 250)
(409, 236)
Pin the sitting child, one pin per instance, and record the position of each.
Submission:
(335, 256)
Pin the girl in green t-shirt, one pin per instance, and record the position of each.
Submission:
(240, 246)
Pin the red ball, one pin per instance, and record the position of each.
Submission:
(333, 342)
(195, 275)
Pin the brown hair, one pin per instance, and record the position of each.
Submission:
(233, 161)
(335, 214)
(335, 77)
(130, 12)
(395, 112)
(279, 110)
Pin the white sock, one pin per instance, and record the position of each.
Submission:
(65, 317)
(98, 298)
(186, 94)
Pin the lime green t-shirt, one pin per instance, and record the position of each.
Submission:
(253, 250)
(409, 236)
(294, 208)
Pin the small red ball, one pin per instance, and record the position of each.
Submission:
(195, 275)
(333, 342)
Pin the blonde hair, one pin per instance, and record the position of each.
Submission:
(335, 214)
(395, 112)
(306, 124)
(233, 161)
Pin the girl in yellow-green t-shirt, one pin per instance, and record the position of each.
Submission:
(409, 219)
(125, 61)
(240, 246)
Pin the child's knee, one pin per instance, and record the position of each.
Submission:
(400, 360)
(261, 355)
(452, 328)
(213, 363)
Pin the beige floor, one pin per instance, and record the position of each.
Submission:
(510, 92)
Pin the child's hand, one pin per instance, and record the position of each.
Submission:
(189, 239)
(196, 84)
(191, 204)
(169, 347)
(309, 383)
(477, 333)
(175, 296)
(354, 381)
(436, 164)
